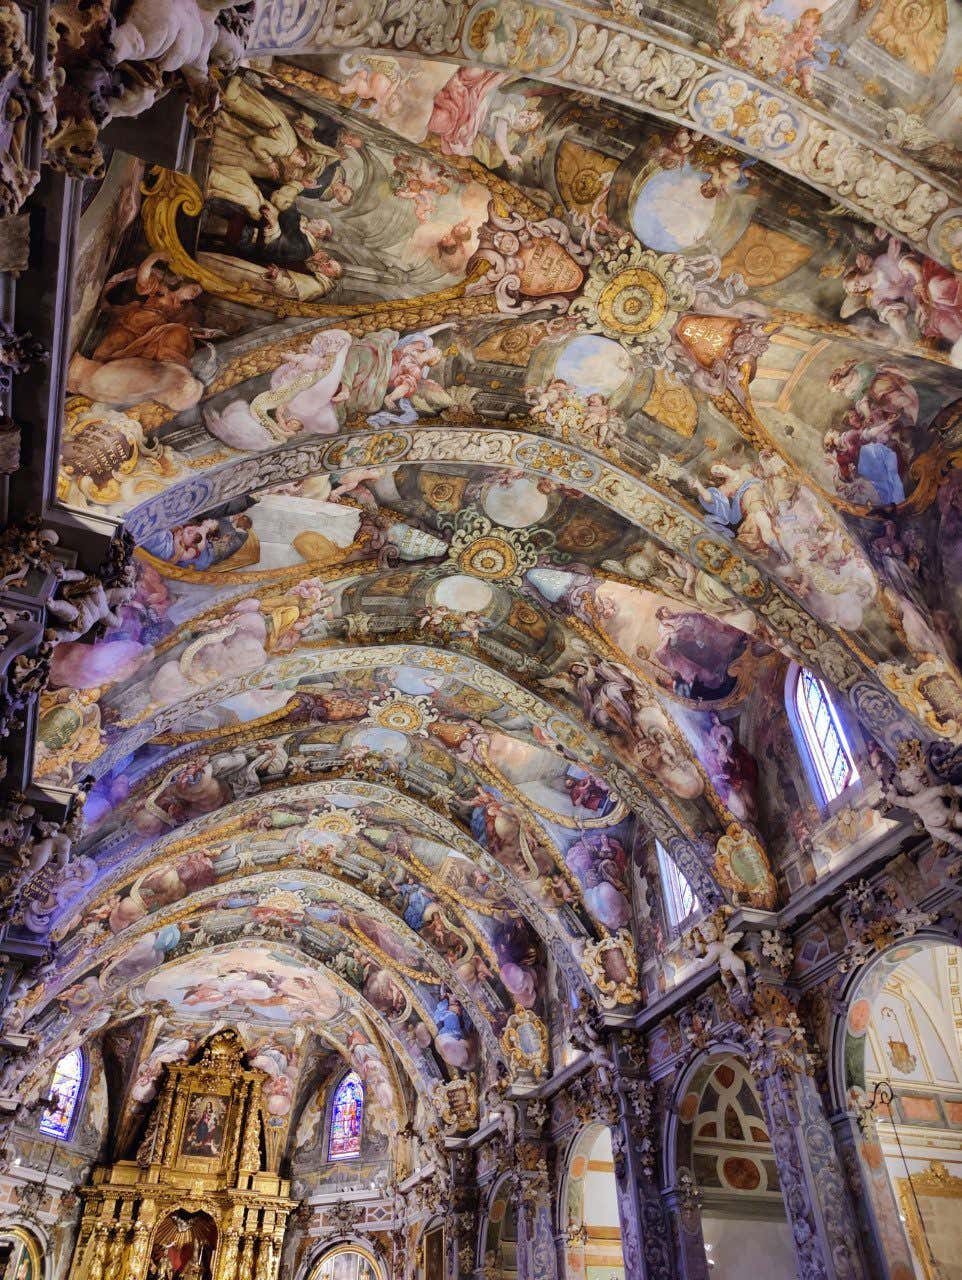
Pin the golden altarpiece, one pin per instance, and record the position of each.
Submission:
(201, 1201)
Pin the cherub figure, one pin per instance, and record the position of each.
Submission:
(742, 19)
(377, 84)
(88, 604)
(419, 181)
(936, 806)
(710, 940)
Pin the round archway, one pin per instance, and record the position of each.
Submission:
(21, 1257)
(500, 1240)
(903, 1070)
(590, 1208)
(723, 1147)
(184, 1246)
(347, 1262)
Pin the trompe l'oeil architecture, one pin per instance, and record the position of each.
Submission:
(480, 580)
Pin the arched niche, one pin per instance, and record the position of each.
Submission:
(430, 1260)
(898, 1068)
(313, 1161)
(722, 1157)
(21, 1254)
(590, 1209)
(349, 1260)
(499, 1253)
(183, 1247)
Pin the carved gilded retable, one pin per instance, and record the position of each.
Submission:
(207, 1149)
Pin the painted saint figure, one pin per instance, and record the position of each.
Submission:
(147, 346)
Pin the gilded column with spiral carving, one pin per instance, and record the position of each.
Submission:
(99, 1251)
(245, 1264)
(227, 1254)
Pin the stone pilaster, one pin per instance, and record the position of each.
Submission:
(820, 1211)
(646, 1228)
(880, 1226)
(537, 1253)
(683, 1204)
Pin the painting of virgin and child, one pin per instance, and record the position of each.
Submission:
(204, 1126)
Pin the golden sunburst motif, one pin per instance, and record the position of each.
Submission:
(634, 302)
(339, 822)
(635, 295)
(402, 712)
(491, 558)
(488, 551)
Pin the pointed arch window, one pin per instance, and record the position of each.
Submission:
(347, 1119)
(681, 901)
(65, 1088)
(823, 737)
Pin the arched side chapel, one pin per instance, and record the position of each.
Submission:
(479, 665)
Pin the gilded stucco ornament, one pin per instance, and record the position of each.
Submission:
(456, 1102)
(525, 1043)
(335, 821)
(487, 551)
(526, 265)
(873, 920)
(26, 104)
(19, 352)
(931, 690)
(589, 1103)
(101, 452)
(403, 713)
(777, 950)
(612, 966)
(946, 238)
(635, 295)
(887, 194)
(697, 1022)
(773, 1035)
(741, 865)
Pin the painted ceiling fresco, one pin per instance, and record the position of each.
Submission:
(490, 451)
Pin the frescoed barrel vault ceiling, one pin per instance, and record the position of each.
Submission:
(499, 406)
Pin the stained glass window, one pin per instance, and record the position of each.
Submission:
(681, 901)
(68, 1078)
(347, 1116)
(824, 736)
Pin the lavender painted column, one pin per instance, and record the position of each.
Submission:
(683, 1203)
(646, 1230)
(820, 1212)
(537, 1250)
(883, 1237)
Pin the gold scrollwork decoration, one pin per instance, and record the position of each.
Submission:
(525, 1043)
(612, 966)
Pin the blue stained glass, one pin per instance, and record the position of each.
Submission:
(824, 737)
(68, 1077)
(347, 1117)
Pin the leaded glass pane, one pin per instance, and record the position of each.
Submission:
(824, 737)
(65, 1086)
(347, 1117)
